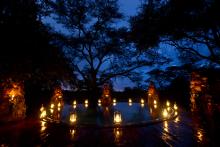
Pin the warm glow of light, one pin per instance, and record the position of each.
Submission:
(155, 106)
(142, 101)
(60, 96)
(74, 106)
(175, 107)
(176, 120)
(155, 102)
(168, 104)
(118, 134)
(130, 100)
(142, 105)
(86, 101)
(106, 95)
(130, 104)
(199, 135)
(165, 113)
(58, 109)
(86, 105)
(72, 133)
(59, 104)
(168, 108)
(114, 104)
(43, 114)
(73, 118)
(51, 111)
(165, 127)
(114, 100)
(41, 108)
(52, 106)
(43, 126)
(99, 101)
(74, 102)
(175, 113)
(117, 117)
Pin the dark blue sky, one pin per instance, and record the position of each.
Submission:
(128, 8)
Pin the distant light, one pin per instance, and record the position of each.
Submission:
(117, 117)
(114, 100)
(42, 108)
(59, 104)
(130, 100)
(168, 104)
(43, 114)
(175, 107)
(86, 101)
(52, 106)
(73, 117)
(155, 106)
(142, 101)
(74, 102)
(155, 102)
(51, 111)
(165, 113)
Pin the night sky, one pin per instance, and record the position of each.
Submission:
(128, 8)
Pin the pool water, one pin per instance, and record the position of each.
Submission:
(104, 116)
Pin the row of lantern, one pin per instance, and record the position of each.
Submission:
(168, 109)
(117, 114)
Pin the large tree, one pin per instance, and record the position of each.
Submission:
(93, 42)
(192, 27)
(26, 53)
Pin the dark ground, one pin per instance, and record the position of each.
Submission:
(186, 130)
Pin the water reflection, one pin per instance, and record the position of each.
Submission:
(43, 126)
(118, 135)
(72, 133)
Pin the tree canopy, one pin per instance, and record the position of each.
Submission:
(96, 47)
(192, 27)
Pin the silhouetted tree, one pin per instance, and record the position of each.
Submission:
(96, 47)
(193, 27)
(26, 53)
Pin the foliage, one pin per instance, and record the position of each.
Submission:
(192, 27)
(96, 47)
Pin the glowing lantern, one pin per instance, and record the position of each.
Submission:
(86, 101)
(43, 127)
(51, 111)
(155, 106)
(117, 117)
(114, 100)
(142, 101)
(74, 102)
(59, 104)
(73, 117)
(165, 113)
(155, 102)
(42, 109)
(168, 104)
(129, 101)
(99, 102)
(175, 107)
(58, 109)
(52, 106)
(43, 114)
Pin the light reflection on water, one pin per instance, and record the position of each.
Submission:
(117, 135)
